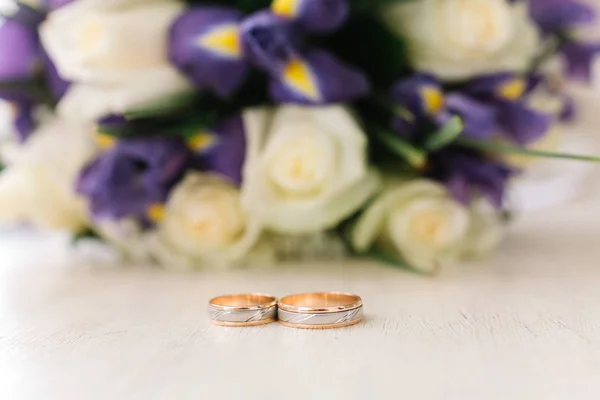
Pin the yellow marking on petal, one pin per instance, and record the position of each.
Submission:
(286, 8)
(224, 40)
(433, 99)
(513, 90)
(104, 141)
(156, 213)
(298, 76)
(202, 141)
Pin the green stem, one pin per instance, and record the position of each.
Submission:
(415, 157)
(495, 147)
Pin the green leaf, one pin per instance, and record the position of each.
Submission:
(393, 261)
(151, 127)
(88, 233)
(362, 6)
(164, 107)
(387, 258)
(414, 156)
(446, 135)
(495, 147)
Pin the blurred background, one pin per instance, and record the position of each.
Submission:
(545, 185)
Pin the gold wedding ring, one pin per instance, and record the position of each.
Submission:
(320, 310)
(243, 310)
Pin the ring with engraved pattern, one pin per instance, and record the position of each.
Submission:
(241, 310)
(320, 310)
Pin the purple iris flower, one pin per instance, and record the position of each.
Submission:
(480, 120)
(270, 41)
(488, 106)
(112, 120)
(24, 121)
(54, 4)
(426, 108)
(22, 62)
(423, 108)
(469, 175)
(216, 46)
(125, 181)
(327, 80)
(569, 111)
(316, 15)
(205, 47)
(22, 57)
(137, 173)
(221, 150)
(416, 95)
(579, 57)
(420, 106)
(505, 95)
(556, 15)
(19, 51)
(27, 15)
(56, 84)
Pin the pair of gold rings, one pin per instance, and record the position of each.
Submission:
(305, 311)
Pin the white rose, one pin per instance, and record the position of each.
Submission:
(204, 225)
(39, 185)
(486, 230)
(459, 39)
(115, 52)
(306, 169)
(421, 224)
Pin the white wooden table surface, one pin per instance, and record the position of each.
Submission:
(523, 325)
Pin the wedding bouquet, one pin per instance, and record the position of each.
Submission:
(230, 132)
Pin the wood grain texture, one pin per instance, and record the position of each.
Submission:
(523, 325)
